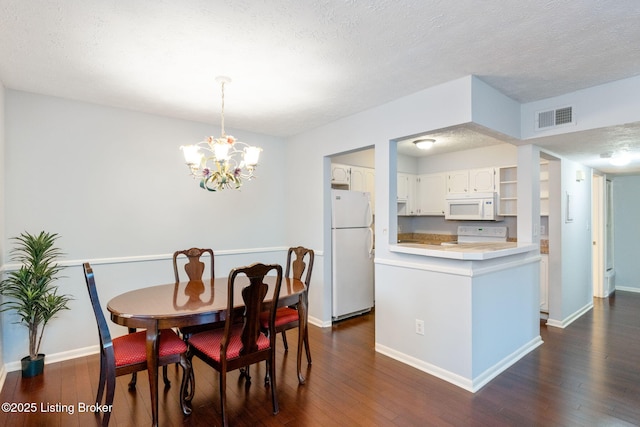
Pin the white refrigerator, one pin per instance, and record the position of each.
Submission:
(352, 253)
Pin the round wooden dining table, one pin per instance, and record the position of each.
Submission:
(194, 303)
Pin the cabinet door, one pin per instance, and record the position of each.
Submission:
(431, 194)
(482, 180)
(458, 182)
(403, 186)
(340, 174)
(357, 179)
(363, 179)
(406, 194)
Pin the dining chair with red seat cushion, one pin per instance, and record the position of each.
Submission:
(242, 342)
(128, 353)
(288, 317)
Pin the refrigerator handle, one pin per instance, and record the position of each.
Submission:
(370, 242)
(369, 213)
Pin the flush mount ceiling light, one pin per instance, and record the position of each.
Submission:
(223, 162)
(620, 158)
(424, 144)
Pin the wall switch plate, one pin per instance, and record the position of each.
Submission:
(419, 327)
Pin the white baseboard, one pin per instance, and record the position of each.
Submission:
(56, 357)
(569, 320)
(318, 322)
(472, 385)
(627, 289)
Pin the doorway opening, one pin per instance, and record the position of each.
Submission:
(602, 253)
(352, 233)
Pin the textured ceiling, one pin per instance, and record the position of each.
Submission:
(297, 65)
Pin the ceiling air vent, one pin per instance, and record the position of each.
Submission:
(554, 118)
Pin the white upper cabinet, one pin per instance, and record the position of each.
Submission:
(406, 194)
(482, 180)
(363, 179)
(431, 194)
(471, 181)
(458, 182)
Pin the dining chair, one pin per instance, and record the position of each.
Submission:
(241, 342)
(194, 269)
(194, 266)
(287, 317)
(128, 353)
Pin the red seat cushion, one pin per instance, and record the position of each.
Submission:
(132, 348)
(208, 342)
(284, 315)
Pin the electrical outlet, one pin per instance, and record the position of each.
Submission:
(419, 327)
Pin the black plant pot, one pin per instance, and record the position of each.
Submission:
(32, 368)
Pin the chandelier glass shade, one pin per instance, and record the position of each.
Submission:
(224, 162)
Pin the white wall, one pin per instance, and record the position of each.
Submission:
(626, 232)
(363, 158)
(576, 278)
(114, 185)
(491, 156)
(609, 104)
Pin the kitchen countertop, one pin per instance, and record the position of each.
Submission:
(465, 251)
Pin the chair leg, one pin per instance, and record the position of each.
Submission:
(101, 382)
(306, 347)
(134, 380)
(190, 384)
(284, 340)
(165, 377)
(245, 373)
(187, 381)
(267, 375)
(223, 397)
(271, 367)
(111, 390)
(134, 376)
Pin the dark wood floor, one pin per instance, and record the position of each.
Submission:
(585, 375)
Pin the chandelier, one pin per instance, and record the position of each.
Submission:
(221, 163)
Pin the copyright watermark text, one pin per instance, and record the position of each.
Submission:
(48, 407)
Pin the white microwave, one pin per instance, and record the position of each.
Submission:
(472, 207)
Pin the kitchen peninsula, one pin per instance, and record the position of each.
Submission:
(463, 312)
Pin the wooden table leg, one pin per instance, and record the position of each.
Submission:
(152, 368)
(302, 330)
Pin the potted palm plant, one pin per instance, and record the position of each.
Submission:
(30, 291)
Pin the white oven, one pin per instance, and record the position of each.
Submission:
(472, 207)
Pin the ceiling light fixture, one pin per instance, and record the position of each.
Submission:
(223, 162)
(621, 158)
(424, 144)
